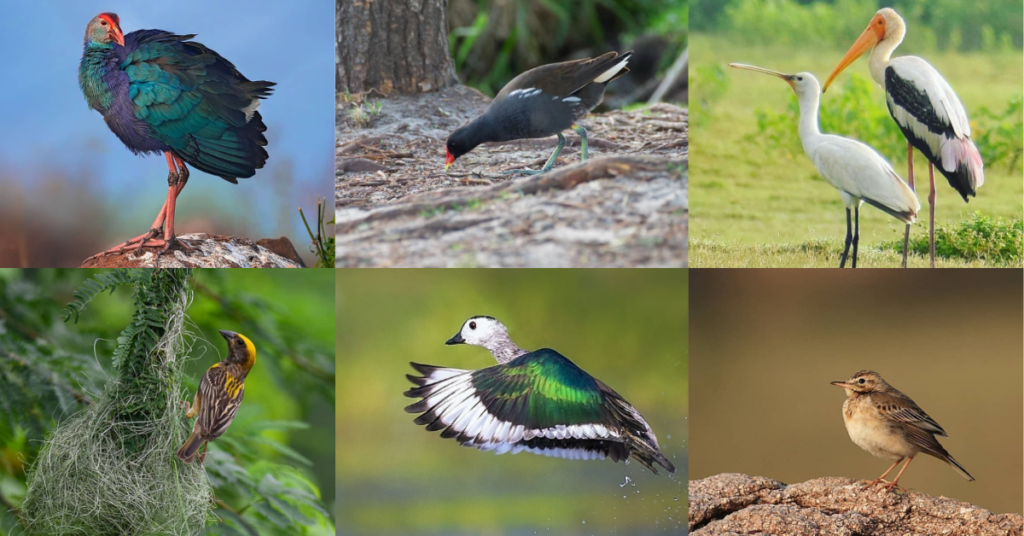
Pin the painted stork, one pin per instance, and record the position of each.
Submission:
(855, 169)
(926, 110)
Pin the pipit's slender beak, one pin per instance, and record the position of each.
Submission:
(844, 385)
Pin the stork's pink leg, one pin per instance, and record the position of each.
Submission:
(910, 182)
(931, 213)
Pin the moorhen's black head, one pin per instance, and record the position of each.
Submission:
(459, 143)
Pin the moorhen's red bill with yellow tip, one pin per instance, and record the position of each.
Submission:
(540, 102)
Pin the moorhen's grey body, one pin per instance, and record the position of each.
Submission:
(540, 102)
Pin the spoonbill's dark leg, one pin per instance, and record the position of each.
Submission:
(849, 240)
(583, 140)
(931, 213)
(910, 182)
(856, 233)
(548, 165)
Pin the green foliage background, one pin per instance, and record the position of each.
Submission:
(625, 327)
(269, 469)
(493, 41)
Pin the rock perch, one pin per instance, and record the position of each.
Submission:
(735, 504)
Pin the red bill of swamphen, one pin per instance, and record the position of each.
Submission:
(543, 101)
(163, 93)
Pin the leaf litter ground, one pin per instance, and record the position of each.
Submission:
(626, 206)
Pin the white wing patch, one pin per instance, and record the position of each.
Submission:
(458, 406)
(572, 101)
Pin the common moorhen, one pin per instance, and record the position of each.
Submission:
(540, 102)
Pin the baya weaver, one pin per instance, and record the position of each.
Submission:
(219, 395)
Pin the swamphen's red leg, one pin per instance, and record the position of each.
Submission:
(177, 175)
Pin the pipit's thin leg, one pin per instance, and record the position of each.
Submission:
(882, 478)
(892, 484)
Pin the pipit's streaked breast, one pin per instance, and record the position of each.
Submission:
(888, 424)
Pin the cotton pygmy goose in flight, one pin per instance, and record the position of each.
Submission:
(537, 402)
(219, 395)
(888, 424)
(855, 169)
(543, 101)
(162, 93)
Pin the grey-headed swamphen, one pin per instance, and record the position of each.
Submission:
(163, 93)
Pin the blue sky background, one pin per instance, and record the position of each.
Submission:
(51, 143)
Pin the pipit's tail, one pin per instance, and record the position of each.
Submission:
(191, 446)
(959, 468)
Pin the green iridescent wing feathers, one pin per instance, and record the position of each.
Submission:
(541, 389)
(540, 402)
(197, 102)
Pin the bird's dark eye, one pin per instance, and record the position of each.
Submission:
(472, 325)
(861, 381)
(800, 78)
(103, 23)
(239, 342)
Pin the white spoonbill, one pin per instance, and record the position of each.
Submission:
(856, 170)
(925, 108)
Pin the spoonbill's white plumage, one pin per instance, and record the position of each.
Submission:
(926, 109)
(855, 169)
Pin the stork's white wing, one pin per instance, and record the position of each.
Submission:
(930, 85)
(857, 169)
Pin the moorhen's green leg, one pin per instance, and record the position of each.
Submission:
(583, 140)
(547, 165)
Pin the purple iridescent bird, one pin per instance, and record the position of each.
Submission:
(163, 93)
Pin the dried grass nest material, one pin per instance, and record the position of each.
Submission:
(83, 483)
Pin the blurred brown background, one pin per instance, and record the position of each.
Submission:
(765, 344)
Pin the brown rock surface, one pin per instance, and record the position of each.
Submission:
(205, 251)
(734, 504)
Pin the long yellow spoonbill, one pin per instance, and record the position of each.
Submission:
(925, 108)
(856, 170)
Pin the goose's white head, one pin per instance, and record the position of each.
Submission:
(483, 331)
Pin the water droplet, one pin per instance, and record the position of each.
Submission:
(628, 480)
(675, 498)
(584, 521)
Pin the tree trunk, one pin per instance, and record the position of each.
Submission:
(393, 46)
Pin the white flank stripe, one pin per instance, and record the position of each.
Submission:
(571, 99)
(610, 73)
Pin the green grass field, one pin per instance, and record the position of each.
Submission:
(751, 205)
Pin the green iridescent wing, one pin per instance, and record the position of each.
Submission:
(539, 402)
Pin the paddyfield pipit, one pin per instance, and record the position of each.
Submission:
(888, 424)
